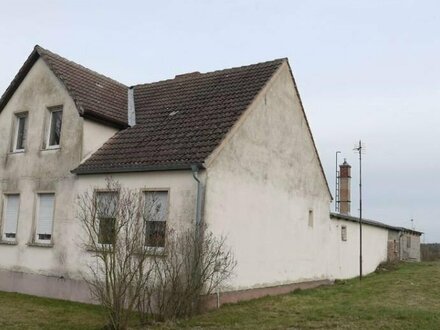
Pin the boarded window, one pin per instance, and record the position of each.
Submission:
(310, 218)
(106, 203)
(155, 216)
(20, 133)
(55, 123)
(45, 217)
(408, 242)
(11, 206)
(344, 233)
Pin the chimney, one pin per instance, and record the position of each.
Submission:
(344, 188)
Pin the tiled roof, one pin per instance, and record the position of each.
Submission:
(181, 121)
(95, 95)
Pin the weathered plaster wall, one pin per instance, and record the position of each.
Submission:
(411, 253)
(344, 255)
(39, 170)
(260, 188)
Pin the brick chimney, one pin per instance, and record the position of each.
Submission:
(344, 188)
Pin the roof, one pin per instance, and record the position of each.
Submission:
(374, 223)
(95, 96)
(181, 121)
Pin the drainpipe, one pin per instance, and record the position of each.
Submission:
(195, 172)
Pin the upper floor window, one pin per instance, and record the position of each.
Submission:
(20, 133)
(10, 216)
(155, 217)
(54, 132)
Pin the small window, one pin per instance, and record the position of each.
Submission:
(395, 246)
(344, 233)
(55, 122)
(45, 213)
(310, 218)
(10, 217)
(155, 216)
(106, 204)
(20, 134)
(408, 242)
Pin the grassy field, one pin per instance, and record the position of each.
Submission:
(405, 298)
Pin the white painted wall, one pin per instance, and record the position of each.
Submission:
(94, 136)
(345, 254)
(261, 185)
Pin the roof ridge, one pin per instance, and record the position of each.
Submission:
(204, 74)
(43, 51)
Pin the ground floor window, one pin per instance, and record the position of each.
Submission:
(155, 217)
(344, 233)
(45, 212)
(10, 216)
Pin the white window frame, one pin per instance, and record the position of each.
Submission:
(16, 127)
(158, 249)
(49, 127)
(37, 219)
(5, 206)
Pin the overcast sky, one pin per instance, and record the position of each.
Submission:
(365, 70)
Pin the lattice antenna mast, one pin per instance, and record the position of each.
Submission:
(360, 149)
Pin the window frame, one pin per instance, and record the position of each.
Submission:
(344, 235)
(96, 192)
(52, 110)
(16, 127)
(157, 249)
(3, 217)
(36, 239)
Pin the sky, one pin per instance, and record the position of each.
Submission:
(366, 70)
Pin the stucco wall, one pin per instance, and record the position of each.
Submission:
(39, 170)
(94, 136)
(260, 188)
(344, 255)
(411, 253)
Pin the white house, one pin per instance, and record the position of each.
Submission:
(242, 133)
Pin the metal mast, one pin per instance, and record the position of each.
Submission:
(360, 148)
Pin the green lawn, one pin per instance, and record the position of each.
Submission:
(406, 298)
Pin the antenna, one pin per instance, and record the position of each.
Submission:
(360, 149)
(412, 224)
(337, 185)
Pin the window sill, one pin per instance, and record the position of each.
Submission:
(51, 149)
(37, 244)
(5, 242)
(16, 152)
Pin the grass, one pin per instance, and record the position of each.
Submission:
(407, 297)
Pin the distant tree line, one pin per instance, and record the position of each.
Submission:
(430, 252)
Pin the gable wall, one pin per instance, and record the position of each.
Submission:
(260, 188)
(38, 170)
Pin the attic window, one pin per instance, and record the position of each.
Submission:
(54, 132)
(20, 134)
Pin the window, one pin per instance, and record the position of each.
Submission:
(344, 233)
(310, 218)
(10, 216)
(106, 203)
(395, 246)
(19, 142)
(408, 242)
(45, 218)
(53, 139)
(155, 217)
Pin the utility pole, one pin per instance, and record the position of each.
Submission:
(337, 185)
(360, 149)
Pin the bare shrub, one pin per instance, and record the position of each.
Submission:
(132, 268)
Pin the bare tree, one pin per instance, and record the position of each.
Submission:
(138, 264)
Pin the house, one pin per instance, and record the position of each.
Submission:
(231, 147)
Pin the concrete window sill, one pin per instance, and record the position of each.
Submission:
(8, 242)
(44, 245)
(51, 149)
(17, 152)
